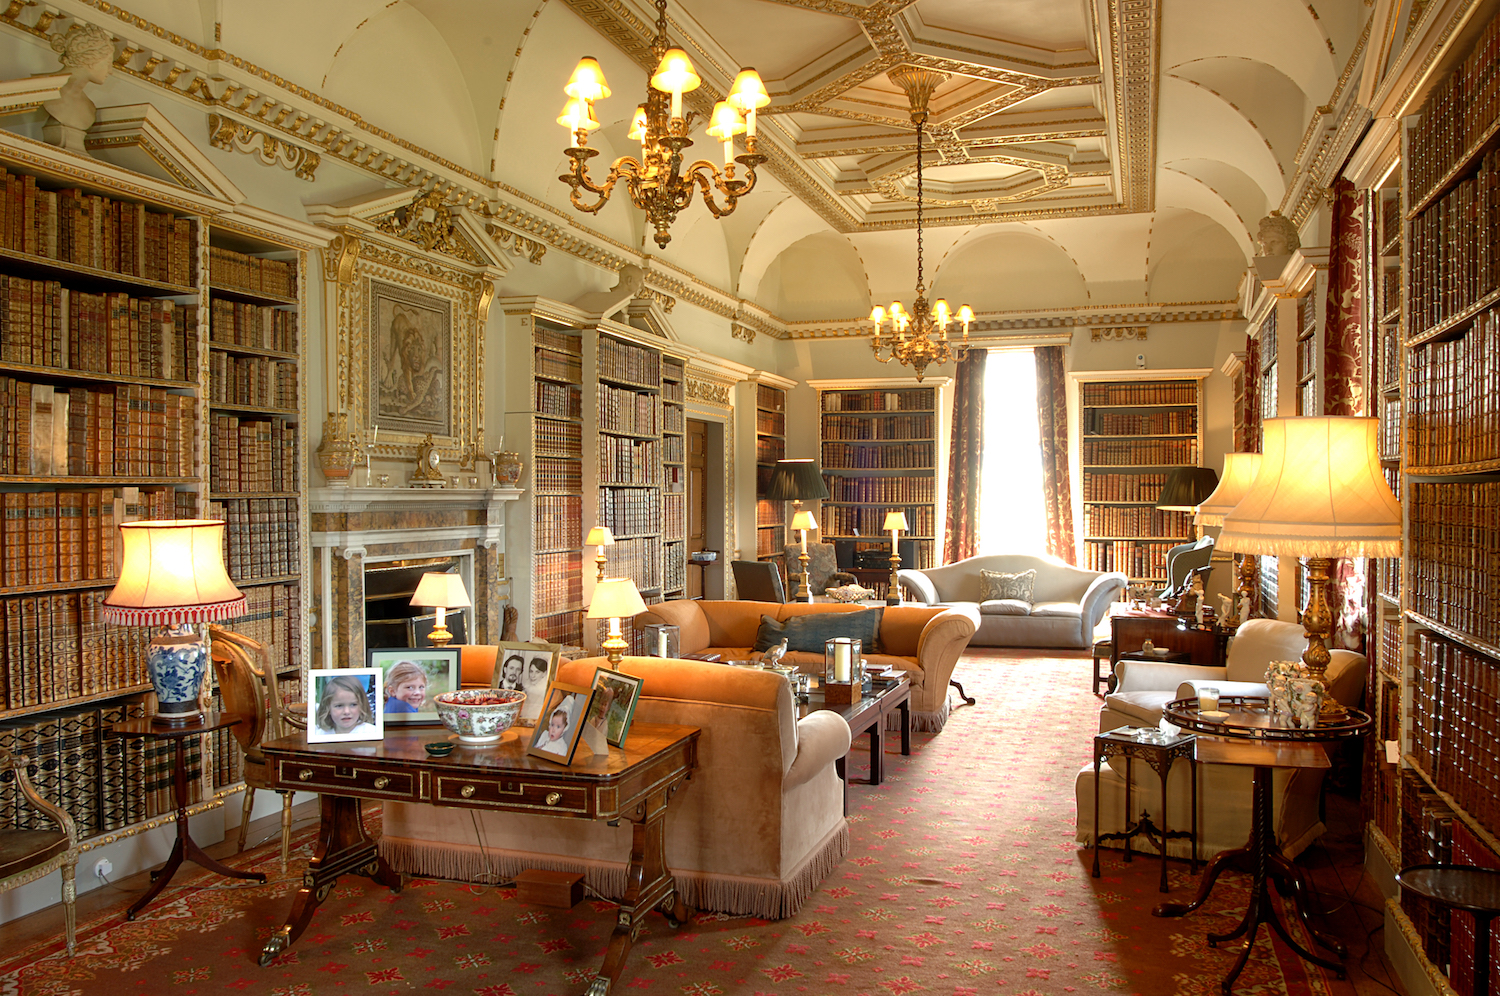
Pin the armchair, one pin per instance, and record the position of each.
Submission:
(758, 581)
(248, 687)
(29, 855)
(1183, 561)
(1144, 687)
(823, 570)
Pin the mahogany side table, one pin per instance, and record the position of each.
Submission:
(1469, 889)
(185, 848)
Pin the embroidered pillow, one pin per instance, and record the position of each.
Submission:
(998, 585)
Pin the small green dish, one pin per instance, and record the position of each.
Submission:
(438, 748)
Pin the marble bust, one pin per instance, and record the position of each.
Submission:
(1278, 236)
(87, 53)
(606, 302)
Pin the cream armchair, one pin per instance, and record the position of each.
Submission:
(1224, 791)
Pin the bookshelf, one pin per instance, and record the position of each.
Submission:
(674, 477)
(557, 485)
(1440, 404)
(1308, 397)
(880, 451)
(1133, 432)
(770, 446)
(119, 400)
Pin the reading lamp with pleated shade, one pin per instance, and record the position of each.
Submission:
(1319, 493)
(797, 481)
(172, 575)
(1239, 474)
(615, 599)
(441, 592)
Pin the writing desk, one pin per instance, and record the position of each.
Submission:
(634, 784)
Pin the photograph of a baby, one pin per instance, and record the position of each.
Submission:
(344, 706)
(557, 732)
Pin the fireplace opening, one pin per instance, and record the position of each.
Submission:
(391, 621)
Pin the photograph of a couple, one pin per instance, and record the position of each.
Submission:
(529, 668)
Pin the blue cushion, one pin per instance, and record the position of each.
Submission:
(809, 632)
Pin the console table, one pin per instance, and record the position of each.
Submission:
(633, 784)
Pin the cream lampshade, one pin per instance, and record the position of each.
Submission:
(1319, 493)
(804, 521)
(895, 523)
(1239, 474)
(599, 537)
(172, 575)
(615, 599)
(441, 592)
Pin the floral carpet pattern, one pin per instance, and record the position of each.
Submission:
(963, 879)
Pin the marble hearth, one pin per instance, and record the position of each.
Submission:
(355, 528)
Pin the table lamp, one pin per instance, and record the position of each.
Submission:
(172, 575)
(895, 522)
(600, 537)
(1319, 493)
(1239, 474)
(441, 592)
(797, 481)
(1185, 488)
(803, 520)
(615, 599)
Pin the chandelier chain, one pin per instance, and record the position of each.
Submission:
(921, 287)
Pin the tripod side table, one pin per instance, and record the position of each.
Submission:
(185, 848)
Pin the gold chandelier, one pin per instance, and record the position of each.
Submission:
(918, 337)
(657, 183)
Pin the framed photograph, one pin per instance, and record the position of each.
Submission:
(530, 667)
(561, 724)
(412, 678)
(419, 628)
(345, 705)
(411, 360)
(613, 706)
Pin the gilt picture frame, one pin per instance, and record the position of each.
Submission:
(410, 381)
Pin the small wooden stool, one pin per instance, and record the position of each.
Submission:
(1106, 650)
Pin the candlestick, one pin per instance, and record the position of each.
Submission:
(841, 662)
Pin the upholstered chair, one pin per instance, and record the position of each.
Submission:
(822, 566)
(1145, 687)
(29, 855)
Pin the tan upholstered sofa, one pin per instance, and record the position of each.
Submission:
(759, 824)
(1067, 601)
(923, 641)
(1224, 796)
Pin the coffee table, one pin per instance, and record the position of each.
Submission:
(867, 716)
(633, 784)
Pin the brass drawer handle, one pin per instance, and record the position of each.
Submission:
(305, 775)
(382, 781)
(467, 791)
(553, 798)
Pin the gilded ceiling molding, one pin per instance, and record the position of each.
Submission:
(1135, 47)
(1316, 172)
(531, 250)
(1119, 333)
(232, 136)
(428, 222)
(740, 330)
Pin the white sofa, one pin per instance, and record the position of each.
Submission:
(1067, 601)
(1144, 687)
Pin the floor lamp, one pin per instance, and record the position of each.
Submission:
(797, 481)
(1239, 474)
(1319, 494)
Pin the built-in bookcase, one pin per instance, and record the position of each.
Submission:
(1447, 385)
(557, 485)
(880, 453)
(770, 446)
(674, 477)
(1132, 435)
(151, 347)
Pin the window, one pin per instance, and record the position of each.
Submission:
(1011, 512)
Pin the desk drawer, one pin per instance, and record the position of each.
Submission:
(515, 794)
(341, 778)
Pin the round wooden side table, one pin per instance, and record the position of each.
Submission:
(1469, 888)
(1251, 739)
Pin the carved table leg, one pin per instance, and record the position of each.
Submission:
(343, 847)
(648, 885)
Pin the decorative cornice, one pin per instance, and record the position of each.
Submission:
(233, 136)
(708, 392)
(1119, 333)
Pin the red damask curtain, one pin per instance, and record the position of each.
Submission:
(1343, 345)
(965, 457)
(1052, 425)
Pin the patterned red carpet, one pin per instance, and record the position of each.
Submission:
(963, 879)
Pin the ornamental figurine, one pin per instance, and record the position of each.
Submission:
(87, 52)
(1278, 236)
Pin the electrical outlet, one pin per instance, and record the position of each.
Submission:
(102, 868)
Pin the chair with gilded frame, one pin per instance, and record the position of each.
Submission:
(248, 686)
(29, 855)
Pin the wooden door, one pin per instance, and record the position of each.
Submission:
(697, 500)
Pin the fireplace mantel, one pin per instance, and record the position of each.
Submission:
(352, 527)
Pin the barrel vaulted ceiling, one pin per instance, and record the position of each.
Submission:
(1081, 154)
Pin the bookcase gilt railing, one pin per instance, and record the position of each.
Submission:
(151, 349)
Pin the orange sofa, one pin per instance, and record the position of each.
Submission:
(757, 827)
(924, 641)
